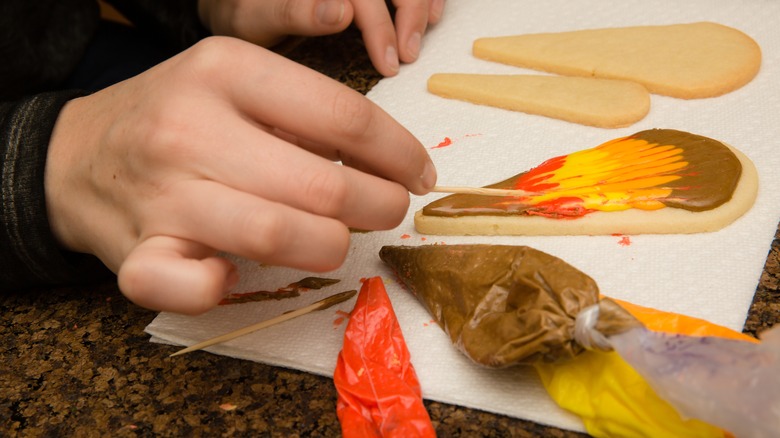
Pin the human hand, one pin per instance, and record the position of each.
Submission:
(267, 22)
(226, 147)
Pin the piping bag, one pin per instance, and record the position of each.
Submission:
(379, 394)
(624, 369)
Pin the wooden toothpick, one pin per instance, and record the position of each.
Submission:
(319, 305)
(481, 191)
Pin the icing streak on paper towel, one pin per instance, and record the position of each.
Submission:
(342, 316)
(292, 290)
(624, 240)
(444, 143)
(448, 141)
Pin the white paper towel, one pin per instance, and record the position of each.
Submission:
(711, 276)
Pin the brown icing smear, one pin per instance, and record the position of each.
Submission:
(292, 290)
(648, 170)
(500, 305)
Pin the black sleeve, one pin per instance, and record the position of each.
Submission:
(29, 254)
(177, 21)
(41, 42)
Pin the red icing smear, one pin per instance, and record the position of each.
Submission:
(561, 208)
(533, 180)
(569, 207)
(342, 316)
(446, 142)
(624, 240)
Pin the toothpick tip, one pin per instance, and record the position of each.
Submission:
(484, 191)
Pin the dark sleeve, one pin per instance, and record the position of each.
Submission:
(41, 42)
(29, 253)
(177, 21)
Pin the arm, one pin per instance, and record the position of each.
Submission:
(29, 253)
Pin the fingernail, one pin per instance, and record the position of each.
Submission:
(429, 175)
(414, 45)
(391, 57)
(330, 12)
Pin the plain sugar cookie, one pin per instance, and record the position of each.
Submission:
(693, 60)
(604, 103)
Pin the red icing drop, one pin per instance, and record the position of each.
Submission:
(446, 142)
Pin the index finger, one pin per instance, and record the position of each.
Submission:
(376, 25)
(411, 20)
(389, 40)
(278, 92)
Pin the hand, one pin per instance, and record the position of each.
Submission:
(266, 22)
(225, 147)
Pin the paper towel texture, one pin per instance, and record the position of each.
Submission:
(711, 276)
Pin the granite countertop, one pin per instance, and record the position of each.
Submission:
(76, 361)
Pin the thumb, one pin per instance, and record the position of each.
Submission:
(170, 274)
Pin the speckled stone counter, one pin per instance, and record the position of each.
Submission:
(76, 361)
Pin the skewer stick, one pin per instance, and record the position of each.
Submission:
(319, 305)
(481, 191)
